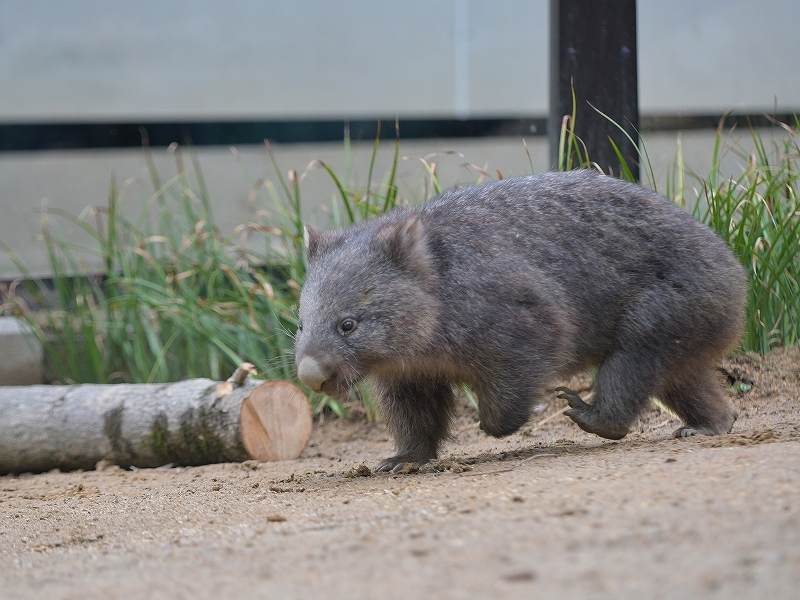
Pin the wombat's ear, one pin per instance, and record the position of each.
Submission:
(312, 239)
(407, 245)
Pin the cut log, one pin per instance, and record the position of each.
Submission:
(276, 421)
(192, 422)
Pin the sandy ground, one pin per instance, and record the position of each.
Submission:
(548, 512)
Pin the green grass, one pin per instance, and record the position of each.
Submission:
(178, 300)
(756, 212)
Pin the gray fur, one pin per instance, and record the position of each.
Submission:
(515, 284)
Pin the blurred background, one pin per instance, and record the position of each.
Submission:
(79, 79)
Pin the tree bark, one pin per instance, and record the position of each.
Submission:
(192, 422)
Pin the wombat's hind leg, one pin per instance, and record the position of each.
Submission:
(623, 385)
(697, 398)
(418, 413)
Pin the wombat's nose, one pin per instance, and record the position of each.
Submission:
(310, 372)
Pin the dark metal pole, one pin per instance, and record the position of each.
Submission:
(593, 49)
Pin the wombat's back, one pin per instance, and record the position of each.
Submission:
(595, 245)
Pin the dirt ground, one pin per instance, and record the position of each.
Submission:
(548, 512)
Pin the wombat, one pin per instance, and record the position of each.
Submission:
(512, 285)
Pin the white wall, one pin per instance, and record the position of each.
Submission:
(708, 56)
(96, 60)
(87, 60)
(188, 59)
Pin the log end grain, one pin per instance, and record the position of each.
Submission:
(275, 421)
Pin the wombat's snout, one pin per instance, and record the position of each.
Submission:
(311, 373)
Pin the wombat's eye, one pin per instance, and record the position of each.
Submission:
(348, 326)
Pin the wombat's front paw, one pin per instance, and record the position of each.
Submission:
(395, 464)
(691, 430)
(683, 432)
(585, 416)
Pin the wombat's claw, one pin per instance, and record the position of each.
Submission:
(572, 397)
(397, 464)
(584, 416)
(390, 464)
(386, 466)
(394, 464)
(687, 431)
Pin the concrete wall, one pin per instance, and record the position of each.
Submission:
(73, 180)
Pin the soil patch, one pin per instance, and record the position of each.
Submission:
(550, 511)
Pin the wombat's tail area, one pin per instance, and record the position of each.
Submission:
(697, 398)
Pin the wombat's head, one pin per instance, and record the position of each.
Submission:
(369, 302)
